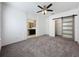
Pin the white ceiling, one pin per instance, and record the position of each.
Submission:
(64, 6)
(31, 7)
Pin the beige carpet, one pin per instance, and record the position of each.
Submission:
(42, 46)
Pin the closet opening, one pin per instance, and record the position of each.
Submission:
(58, 27)
(64, 27)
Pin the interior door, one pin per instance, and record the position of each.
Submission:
(68, 27)
(52, 28)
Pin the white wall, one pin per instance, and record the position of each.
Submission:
(0, 20)
(77, 28)
(13, 25)
(41, 25)
(0, 26)
(40, 22)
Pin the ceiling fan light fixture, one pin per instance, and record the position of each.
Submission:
(45, 9)
(44, 12)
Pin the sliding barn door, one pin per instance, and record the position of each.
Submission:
(68, 27)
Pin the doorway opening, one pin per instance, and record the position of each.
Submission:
(58, 27)
(65, 27)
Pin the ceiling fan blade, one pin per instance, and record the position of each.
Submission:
(40, 7)
(39, 11)
(49, 5)
(50, 10)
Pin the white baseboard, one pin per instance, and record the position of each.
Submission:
(12, 42)
(22, 39)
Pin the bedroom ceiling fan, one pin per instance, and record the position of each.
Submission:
(45, 9)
